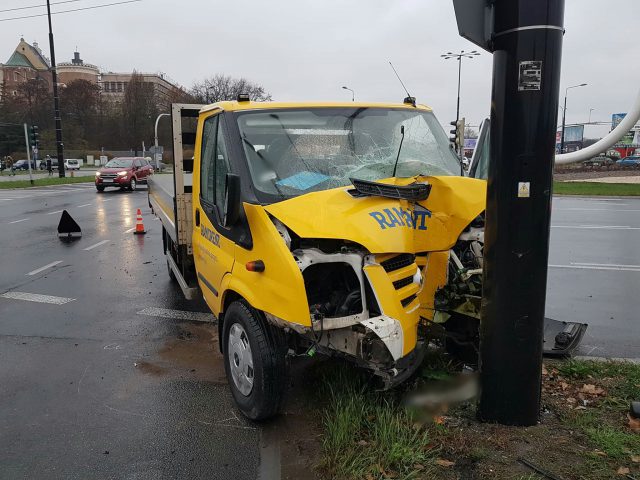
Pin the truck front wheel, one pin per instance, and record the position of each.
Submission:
(254, 361)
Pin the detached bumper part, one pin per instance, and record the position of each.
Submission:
(562, 338)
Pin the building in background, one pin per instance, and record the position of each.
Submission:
(77, 70)
(27, 62)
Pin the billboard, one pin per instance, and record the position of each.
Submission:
(630, 138)
(573, 134)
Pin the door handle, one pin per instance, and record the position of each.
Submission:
(197, 217)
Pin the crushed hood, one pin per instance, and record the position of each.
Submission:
(387, 225)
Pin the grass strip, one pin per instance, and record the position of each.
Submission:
(594, 188)
(40, 182)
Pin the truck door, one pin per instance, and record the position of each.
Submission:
(213, 251)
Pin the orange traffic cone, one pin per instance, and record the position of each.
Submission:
(139, 225)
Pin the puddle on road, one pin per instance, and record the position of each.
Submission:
(289, 445)
(193, 354)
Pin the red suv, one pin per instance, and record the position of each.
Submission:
(123, 172)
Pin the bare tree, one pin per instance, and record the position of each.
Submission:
(221, 87)
(139, 110)
(470, 132)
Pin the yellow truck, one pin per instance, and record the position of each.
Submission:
(338, 228)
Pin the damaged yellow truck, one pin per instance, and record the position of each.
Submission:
(338, 228)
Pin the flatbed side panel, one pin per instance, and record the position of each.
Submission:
(161, 199)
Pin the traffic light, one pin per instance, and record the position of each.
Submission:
(457, 134)
(34, 136)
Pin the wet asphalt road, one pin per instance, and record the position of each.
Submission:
(93, 389)
(109, 386)
(594, 272)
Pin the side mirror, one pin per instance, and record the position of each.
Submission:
(232, 200)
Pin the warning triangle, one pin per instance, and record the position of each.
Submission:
(68, 228)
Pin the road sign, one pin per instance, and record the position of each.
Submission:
(475, 21)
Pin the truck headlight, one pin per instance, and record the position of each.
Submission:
(97, 174)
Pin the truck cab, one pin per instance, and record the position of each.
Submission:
(339, 228)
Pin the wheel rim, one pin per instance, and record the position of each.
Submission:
(240, 359)
(133, 184)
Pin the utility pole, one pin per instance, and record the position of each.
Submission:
(527, 52)
(26, 141)
(56, 101)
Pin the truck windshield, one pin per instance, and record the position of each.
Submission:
(293, 152)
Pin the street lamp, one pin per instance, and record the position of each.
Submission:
(564, 113)
(459, 57)
(155, 153)
(353, 94)
(590, 110)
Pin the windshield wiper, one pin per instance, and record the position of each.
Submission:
(415, 192)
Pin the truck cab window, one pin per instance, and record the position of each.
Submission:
(215, 164)
(207, 164)
(222, 168)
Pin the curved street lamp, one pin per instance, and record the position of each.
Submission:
(353, 94)
(564, 113)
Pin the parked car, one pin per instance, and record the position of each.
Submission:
(54, 164)
(72, 164)
(599, 161)
(631, 161)
(24, 165)
(123, 173)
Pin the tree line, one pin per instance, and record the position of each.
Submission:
(91, 120)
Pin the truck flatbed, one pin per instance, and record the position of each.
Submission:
(162, 199)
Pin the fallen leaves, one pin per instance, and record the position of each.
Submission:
(444, 463)
(635, 458)
(634, 424)
(623, 471)
(591, 389)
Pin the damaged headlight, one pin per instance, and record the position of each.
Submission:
(283, 231)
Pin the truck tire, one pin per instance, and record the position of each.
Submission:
(254, 361)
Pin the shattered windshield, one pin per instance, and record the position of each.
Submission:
(293, 152)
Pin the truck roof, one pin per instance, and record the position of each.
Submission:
(241, 106)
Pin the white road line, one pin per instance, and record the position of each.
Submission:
(34, 297)
(6, 199)
(130, 230)
(21, 220)
(605, 265)
(177, 314)
(96, 245)
(42, 269)
(85, 205)
(582, 209)
(618, 268)
(57, 211)
(597, 227)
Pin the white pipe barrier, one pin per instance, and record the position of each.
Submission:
(605, 143)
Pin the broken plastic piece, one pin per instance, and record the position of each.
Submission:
(68, 229)
(634, 411)
(562, 338)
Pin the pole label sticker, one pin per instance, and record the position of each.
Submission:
(530, 77)
(524, 189)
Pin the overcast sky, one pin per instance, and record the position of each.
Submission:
(307, 50)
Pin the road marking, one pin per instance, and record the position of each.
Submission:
(130, 230)
(597, 209)
(34, 297)
(85, 205)
(57, 211)
(597, 227)
(600, 266)
(96, 245)
(177, 314)
(42, 269)
(21, 220)
(6, 199)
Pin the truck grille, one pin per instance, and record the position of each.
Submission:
(396, 263)
(401, 269)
